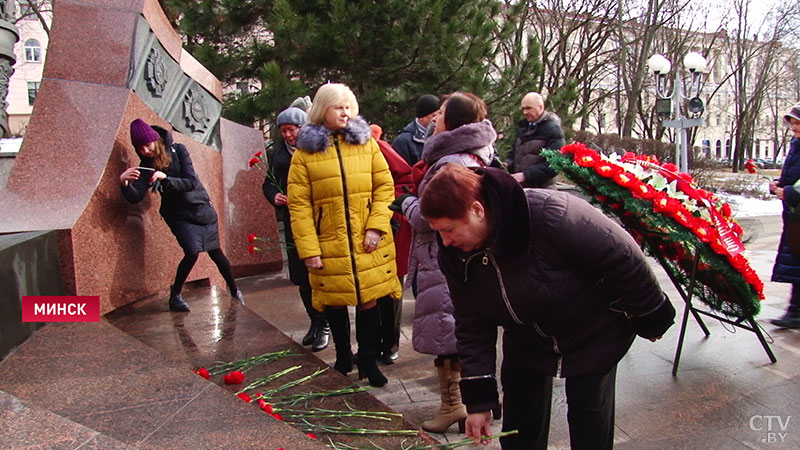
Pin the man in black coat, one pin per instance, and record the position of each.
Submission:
(539, 130)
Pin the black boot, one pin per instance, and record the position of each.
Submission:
(177, 304)
(339, 322)
(321, 339)
(387, 332)
(789, 320)
(367, 325)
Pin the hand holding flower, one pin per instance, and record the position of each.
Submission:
(478, 426)
(281, 199)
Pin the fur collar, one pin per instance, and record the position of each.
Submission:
(467, 137)
(316, 138)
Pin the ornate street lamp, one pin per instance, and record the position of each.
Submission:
(8, 37)
(668, 106)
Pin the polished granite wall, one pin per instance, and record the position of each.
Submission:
(28, 264)
(65, 177)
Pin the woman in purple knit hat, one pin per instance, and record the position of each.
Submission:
(166, 167)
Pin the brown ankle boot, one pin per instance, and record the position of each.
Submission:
(452, 410)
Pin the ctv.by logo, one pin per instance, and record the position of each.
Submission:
(775, 426)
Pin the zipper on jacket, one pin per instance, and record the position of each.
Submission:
(319, 221)
(489, 258)
(347, 221)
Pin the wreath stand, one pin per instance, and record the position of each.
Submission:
(748, 323)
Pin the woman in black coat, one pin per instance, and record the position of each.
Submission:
(787, 266)
(289, 122)
(570, 288)
(166, 167)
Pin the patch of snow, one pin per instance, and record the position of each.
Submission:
(751, 206)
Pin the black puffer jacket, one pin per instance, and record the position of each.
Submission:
(569, 286)
(183, 197)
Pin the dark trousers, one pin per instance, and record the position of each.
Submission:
(527, 399)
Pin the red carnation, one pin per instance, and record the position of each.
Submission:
(258, 154)
(244, 397)
(235, 377)
(702, 230)
(251, 237)
(586, 157)
(203, 372)
(277, 416)
(612, 170)
(572, 148)
(252, 249)
(311, 435)
(265, 406)
(642, 191)
(253, 162)
(625, 179)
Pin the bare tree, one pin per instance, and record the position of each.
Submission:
(39, 9)
(577, 49)
(754, 52)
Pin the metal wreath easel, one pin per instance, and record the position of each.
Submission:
(748, 324)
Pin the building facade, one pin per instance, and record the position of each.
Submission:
(31, 51)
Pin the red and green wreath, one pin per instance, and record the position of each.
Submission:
(689, 230)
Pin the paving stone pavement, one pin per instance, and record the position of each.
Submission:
(726, 394)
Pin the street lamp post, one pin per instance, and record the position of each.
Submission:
(9, 35)
(668, 106)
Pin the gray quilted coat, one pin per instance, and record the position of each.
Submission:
(434, 325)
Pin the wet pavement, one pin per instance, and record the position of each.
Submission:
(726, 394)
(127, 383)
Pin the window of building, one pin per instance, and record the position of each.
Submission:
(33, 51)
(26, 11)
(33, 90)
(719, 149)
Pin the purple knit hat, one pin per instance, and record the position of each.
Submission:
(142, 133)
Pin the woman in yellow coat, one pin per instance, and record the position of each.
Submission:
(339, 191)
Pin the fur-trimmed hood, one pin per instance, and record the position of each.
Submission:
(464, 139)
(317, 138)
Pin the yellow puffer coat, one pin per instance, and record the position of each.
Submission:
(339, 187)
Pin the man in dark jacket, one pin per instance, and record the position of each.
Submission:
(411, 139)
(569, 286)
(539, 130)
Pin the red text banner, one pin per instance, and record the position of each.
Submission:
(53, 308)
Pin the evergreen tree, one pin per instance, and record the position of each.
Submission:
(389, 52)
